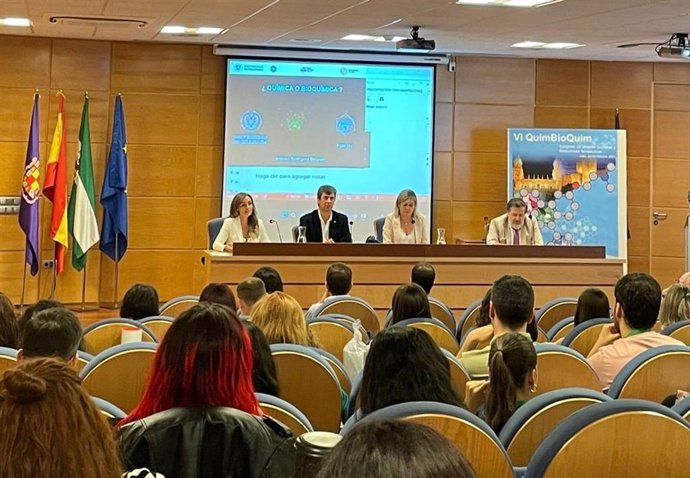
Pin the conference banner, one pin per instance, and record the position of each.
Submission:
(574, 184)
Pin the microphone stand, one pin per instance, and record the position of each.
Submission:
(273, 221)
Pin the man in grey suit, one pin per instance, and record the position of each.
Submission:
(514, 227)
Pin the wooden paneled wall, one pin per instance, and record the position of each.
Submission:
(174, 104)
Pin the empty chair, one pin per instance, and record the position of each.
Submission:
(118, 374)
(682, 408)
(107, 333)
(286, 413)
(83, 358)
(631, 438)
(175, 306)
(338, 368)
(158, 324)
(560, 329)
(653, 374)
(8, 359)
(554, 311)
(214, 226)
(560, 367)
(583, 337)
(469, 433)
(112, 413)
(442, 312)
(378, 228)
(466, 320)
(458, 375)
(332, 334)
(308, 382)
(440, 333)
(353, 307)
(532, 422)
(679, 330)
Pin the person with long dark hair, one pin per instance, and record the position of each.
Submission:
(409, 302)
(218, 293)
(404, 364)
(243, 224)
(265, 376)
(140, 301)
(199, 415)
(592, 304)
(9, 326)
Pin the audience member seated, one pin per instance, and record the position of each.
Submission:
(675, 306)
(683, 280)
(199, 416)
(400, 449)
(592, 304)
(511, 309)
(249, 292)
(9, 327)
(51, 427)
(409, 302)
(217, 293)
(54, 333)
(404, 365)
(271, 278)
(338, 284)
(638, 297)
(139, 302)
(264, 371)
(483, 315)
(424, 275)
(29, 312)
(280, 318)
(512, 380)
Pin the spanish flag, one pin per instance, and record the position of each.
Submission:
(55, 187)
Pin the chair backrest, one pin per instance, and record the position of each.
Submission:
(295, 233)
(119, 374)
(83, 358)
(470, 434)
(679, 330)
(107, 333)
(214, 226)
(653, 374)
(8, 359)
(307, 381)
(378, 228)
(466, 320)
(333, 334)
(338, 368)
(442, 312)
(175, 306)
(532, 422)
(560, 367)
(682, 408)
(353, 402)
(458, 375)
(615, 438)
(159, 325)
(112, 413)
(351, 306)
(286, 413)
(555, 310)
(560, 329)
(583, 337)
(443, 337)
(541, 336)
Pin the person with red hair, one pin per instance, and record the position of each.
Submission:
(199, 416)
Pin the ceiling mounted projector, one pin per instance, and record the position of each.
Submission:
(675, 47)
(415, 44)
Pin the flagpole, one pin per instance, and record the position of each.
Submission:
(116, 300)
(21, 300)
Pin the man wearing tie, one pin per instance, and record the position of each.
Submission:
(324, 224)
(514, 227)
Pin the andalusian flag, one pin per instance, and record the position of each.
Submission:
(55, 188)
(81, 211)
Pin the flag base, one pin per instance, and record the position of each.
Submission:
(84, 307)
(109, 305)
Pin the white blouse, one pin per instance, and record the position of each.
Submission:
(393, 233)
(232, 232)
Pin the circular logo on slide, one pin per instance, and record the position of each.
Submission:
(345, 124)
(252, 120)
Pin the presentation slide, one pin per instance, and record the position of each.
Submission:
(291, 127)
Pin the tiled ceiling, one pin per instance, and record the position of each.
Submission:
(457, 29)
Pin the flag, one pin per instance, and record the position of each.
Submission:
(617, 125)
(81, 211)
(114, 190)
(31, 191)
(55, 187)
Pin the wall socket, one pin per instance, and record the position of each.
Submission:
(47, 264)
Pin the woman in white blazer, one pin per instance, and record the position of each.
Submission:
(241, 226)
(405, 225)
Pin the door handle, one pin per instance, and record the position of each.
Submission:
(659, 216)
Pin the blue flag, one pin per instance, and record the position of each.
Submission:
(114, 190)
(31, 191)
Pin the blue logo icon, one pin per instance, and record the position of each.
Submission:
(252, 120)
(238, 66)
(273, 69)
(345, 124)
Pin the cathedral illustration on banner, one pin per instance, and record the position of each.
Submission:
(562, 179)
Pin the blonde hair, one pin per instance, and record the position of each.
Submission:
(675, 306)
(406, 195)
(281, 319)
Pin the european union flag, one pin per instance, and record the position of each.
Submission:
(114, 190)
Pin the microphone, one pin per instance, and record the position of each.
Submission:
(273, 221)
(414, 231)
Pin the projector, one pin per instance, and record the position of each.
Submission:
(415, 43)
(673, 52)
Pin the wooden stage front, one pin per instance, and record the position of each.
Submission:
(463, 272)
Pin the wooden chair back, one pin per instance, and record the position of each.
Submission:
(440, 335)
(285, 413)
(584, 340)
(562, 332)
(8, 359)
(559, 369)
(442, 312)
(158, 325)
(468, 319)
(555, 311)
(682, 333)
(174, 307)
(458, 375)
(332, 336)
(356, 309)
(100, 337)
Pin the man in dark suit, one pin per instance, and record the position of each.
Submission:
(324, 224)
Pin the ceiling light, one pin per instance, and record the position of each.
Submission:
(388, 38)
(384, 38)
(180, 30)
(15, 22)
(509, 3)
(473, 2)
(175, 30)
(562, 45)
(209, 30)
(528, 44)
(537, 45)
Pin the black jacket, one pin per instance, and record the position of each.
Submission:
(205, 442)
(338, 230)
